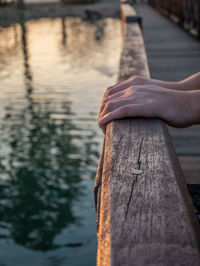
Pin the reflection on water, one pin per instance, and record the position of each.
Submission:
(53, 73)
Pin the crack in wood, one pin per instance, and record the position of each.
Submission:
(129, 200)
(155, 237)
(139, 156)
(134, 179)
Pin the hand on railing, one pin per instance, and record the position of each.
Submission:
(142, 97)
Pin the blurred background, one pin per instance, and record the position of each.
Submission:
(56, 60)
(55, 63)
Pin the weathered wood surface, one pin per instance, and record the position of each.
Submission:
(173, 55)
(133, 57)
(144, 213)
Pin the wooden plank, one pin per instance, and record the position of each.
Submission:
(145, 215)
(133, 57)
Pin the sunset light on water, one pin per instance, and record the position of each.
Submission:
(53, 73)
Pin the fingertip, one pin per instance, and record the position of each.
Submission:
(103, 120)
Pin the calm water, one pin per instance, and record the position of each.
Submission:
(53, 73)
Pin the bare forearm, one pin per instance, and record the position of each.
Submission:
(178, 103)
(188, 84)
(195, 105)
(191, 83)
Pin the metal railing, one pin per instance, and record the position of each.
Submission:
(185, 12)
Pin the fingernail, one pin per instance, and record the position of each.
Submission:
(102, 120)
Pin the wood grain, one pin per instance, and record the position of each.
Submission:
(144, 212)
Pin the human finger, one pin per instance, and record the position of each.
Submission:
(131, 110)
(116, 96)
(115, 104)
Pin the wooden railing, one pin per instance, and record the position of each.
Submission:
(144, 212)
(184, 12)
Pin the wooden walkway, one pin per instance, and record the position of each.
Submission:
(173, 55)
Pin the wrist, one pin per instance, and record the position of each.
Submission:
(194, 101)
(191, 83)
(173, 85)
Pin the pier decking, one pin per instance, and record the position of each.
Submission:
(173, 55)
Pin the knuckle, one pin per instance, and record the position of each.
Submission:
(136, 76)
(138, 79)
(134, 89)
(108, 91)
(151, 86)
(109, 88)
(133, 77)
(108, 106)
(101, 107)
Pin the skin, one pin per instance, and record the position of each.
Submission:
(177, 103)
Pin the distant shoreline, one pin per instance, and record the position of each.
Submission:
(41, 2)
(11, 15)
